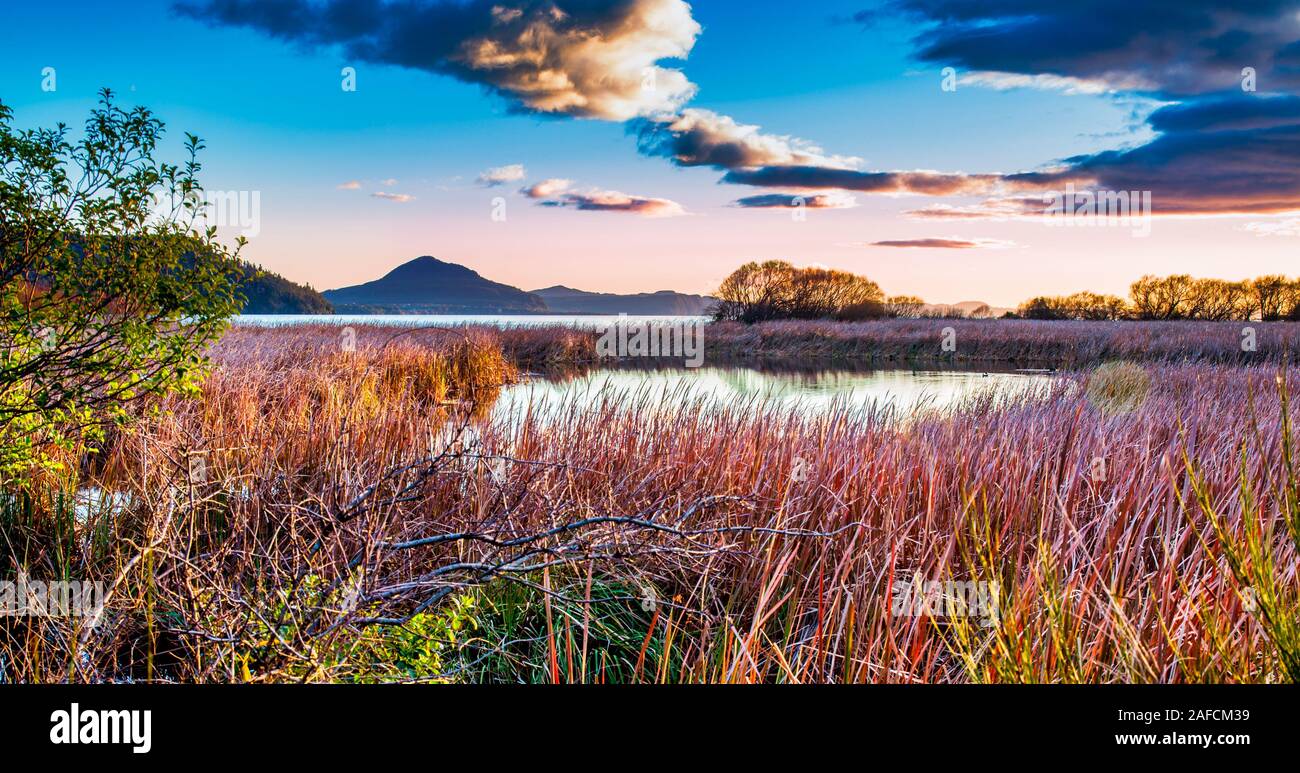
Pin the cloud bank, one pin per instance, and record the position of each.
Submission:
(1178, 48)
(1217, 148)
(943, 243)
(705, 138)
(833, 200)
(597, 200)
(580, 58)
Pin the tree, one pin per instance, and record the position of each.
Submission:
(1042, 307)
(1162, 297)
(1217, 299)
(1179, 296)
(1095, 306)
(1294, 314)
(1272, 296)
(266, 292)
(818, 293)
(111, 288)
(905, 306)
(756, 292)
(1083, 305)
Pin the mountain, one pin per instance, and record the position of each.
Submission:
(427, 285)
(971, 309)
(981, 309)
(269, 293)
(566, 300)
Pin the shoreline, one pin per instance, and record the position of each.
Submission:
(1034, 344)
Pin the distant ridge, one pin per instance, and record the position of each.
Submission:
(427, 285)
(566, 300)
(976, 309)
(266, 292)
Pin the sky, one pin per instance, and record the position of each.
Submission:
(638, 145)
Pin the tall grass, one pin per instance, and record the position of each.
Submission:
(1149, 544)
(1063, 344)
(1103, 576)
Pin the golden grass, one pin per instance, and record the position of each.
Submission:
(331, 481)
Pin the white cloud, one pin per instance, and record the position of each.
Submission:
(705, 138)
(1275, 227)
(400, 198)
(1005, 81)
(604, 69)
(501, 175)
(547, 188)
(597, 200)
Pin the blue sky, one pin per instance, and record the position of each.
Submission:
(270, 108)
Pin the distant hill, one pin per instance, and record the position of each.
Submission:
(270, 293)
(427, 285)
(566, 300)
(974, 309)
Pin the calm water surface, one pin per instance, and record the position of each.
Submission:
(808, 390)
(802, 387)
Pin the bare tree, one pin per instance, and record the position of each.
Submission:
(756, 292)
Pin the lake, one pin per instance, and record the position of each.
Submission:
(811, 390)
(801, 386)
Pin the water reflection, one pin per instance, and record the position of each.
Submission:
(807, 388)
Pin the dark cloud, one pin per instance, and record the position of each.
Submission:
(945, 244)
(794, 201)
(591, 59)
(1288, 57)
(1218, 149)
(1231, 156)
(1173, 47)
(1227, 111)
(1225, 154)
(926, 183)
(703, 138)
(613, 201)
(867, 17)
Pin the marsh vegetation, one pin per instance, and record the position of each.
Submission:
(360, 515)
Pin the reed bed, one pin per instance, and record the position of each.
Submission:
(1093, 523)
(359, 515)
(1066, 344)
(1057, 344)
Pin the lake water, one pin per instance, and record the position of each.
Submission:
(811, 390)
(592, 321)
(780, 385)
